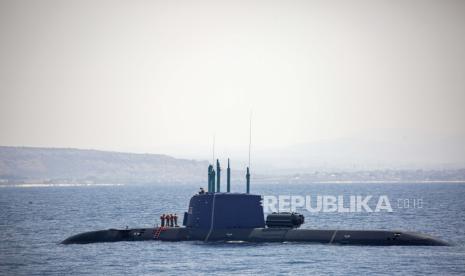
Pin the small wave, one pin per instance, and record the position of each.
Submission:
(236, 242)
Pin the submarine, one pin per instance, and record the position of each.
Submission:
(216, 216)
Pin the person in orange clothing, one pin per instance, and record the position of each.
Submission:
(170, 218)
(162, 219)
(175, 217)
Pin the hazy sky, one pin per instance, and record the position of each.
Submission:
(163, 76)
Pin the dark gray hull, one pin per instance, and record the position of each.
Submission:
(345, 237)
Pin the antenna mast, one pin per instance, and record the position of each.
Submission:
(213, 150)
(247, 175)
(250, 133)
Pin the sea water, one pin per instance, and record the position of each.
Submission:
(33, 221)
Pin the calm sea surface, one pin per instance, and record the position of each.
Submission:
(34, 220)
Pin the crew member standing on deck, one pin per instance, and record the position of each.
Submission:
(162, 219)
(175, 217)
(171, 220)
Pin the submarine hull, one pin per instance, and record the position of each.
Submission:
(110, 235)
(240, 217)
(341, 237)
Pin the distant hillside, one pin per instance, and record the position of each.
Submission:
(50, 165)
(62, 166)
